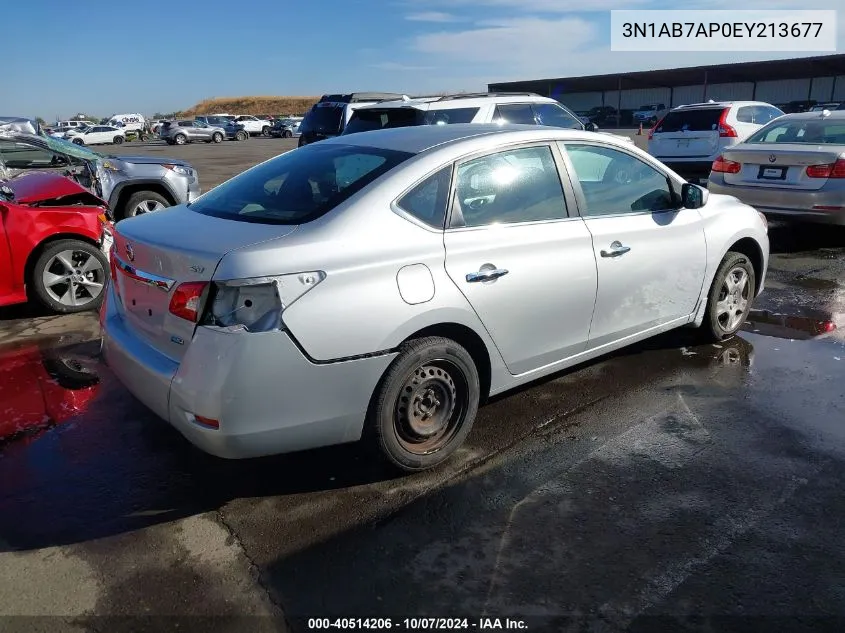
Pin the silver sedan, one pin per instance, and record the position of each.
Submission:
(383, 285)
(792, 169)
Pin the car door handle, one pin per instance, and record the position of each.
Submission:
(486, 275)
(616, 249)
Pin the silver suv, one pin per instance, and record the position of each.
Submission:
(132, 185)
(186, 131)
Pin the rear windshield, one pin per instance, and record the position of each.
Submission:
(814, 132)
(703, 120)
(298, 186)
(323, 120)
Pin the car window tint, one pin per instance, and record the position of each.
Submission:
(745, 114)
(615, 182)
(553, 115)
(519, 185)
(427, 201)
(515, 113)
(450, 115)
(813, 132)
(765, 114)
(23, 156)
(692, 120)
(299, 186)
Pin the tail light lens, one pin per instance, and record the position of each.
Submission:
(725, 130)
(720, 165)
(187, 299)
(830, 170)
(257, 304)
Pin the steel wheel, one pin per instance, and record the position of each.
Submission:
(430, 406)
(147, 206)
(73, 278)
(732, 305)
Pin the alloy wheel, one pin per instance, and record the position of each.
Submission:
(74, 278)
(732, 305)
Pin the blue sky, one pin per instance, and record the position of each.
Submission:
(103, 64)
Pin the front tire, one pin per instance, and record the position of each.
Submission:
(730, 297)
(241, 135)
(78, 141)
(287, 134)
(265, 131)
(70, 276)
(142, 202)
(217, 137)
(425, 404)
(118, 140)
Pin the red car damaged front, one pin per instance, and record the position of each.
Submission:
(54, 241)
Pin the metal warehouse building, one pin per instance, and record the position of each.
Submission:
(777, 81)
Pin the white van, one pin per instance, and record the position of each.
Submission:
(128, 121)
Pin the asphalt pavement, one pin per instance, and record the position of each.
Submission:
(669, 487)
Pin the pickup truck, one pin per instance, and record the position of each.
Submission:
(254, 125)
(650, 113)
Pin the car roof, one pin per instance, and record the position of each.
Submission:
(832, 115)
(720, 104)
(419, 138)
(460, 101)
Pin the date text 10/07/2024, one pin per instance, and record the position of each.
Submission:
(417, 624)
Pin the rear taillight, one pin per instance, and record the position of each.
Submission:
(722, 166)
(186, 300)
(725, 130)
(656, 125)
(830, 170)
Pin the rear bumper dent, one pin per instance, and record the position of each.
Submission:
(266, 395)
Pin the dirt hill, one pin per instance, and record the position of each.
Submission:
(253, 105)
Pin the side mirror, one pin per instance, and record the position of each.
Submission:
(693, 196)
(592, 127)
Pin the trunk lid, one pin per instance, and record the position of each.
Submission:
(156, 253)
(779, 165)
(690, 133)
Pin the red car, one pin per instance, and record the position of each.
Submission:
(54, 240)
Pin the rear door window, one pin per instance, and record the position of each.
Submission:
(519, 113)
(379, 119)
(451, 115)
(699, 120)
(427, 201)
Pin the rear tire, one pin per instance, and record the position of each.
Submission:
(730, 297)
(118, 140)
(425, 404)
(287, 134)
(180, 139)
(241, 136)
(78, 141)
(265, 131)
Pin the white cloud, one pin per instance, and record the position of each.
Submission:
(432, 16)
(510, 44)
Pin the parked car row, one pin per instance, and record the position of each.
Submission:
(789, 166)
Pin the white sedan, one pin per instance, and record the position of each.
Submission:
(96, 135)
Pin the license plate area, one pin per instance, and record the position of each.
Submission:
(771, 173)
(683, 142)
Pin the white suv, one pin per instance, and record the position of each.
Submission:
(511, 107)
(690, 137)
